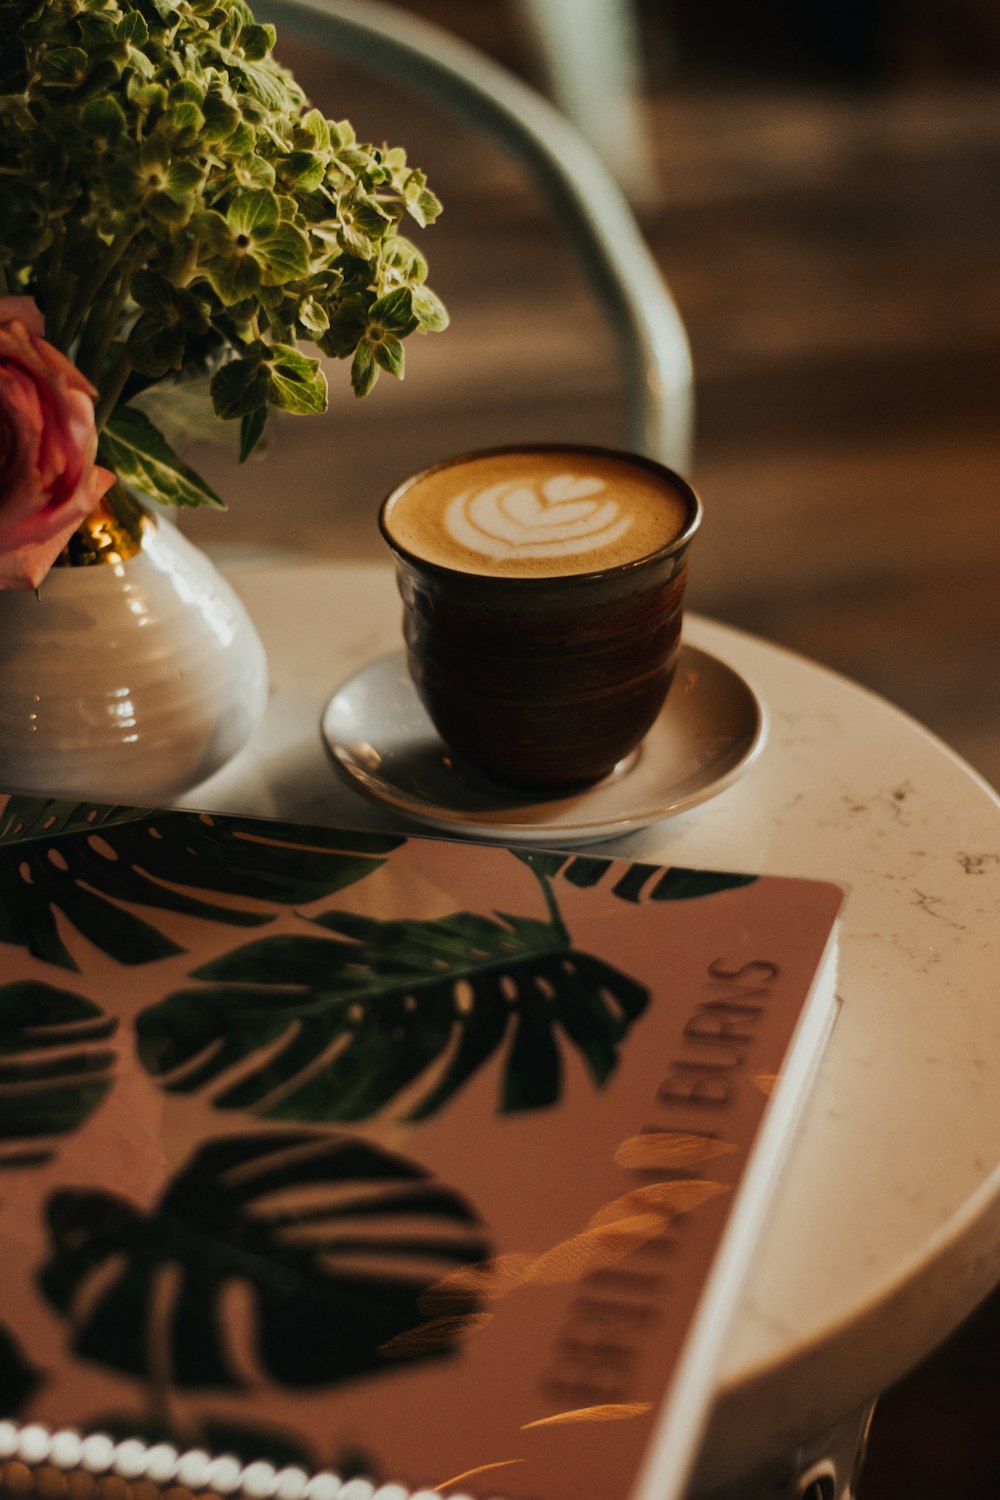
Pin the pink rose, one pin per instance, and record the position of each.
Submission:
(48, 442)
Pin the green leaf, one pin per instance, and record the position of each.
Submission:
(404, 261)
(139, 86)
(103, 119)
(253, 212)
(25, 219)
(425, 208)
(394, 311)
(98, 33)
(155, 347)
(283, 254)
(304, 169)
(141, 457)
(145, 95)
(242, 141)
(154, 154)
(263, 83)
(251, 431)
(364, 370)
(241, 386)
(54, 1067)
(187, 91)
(252, 171)
(221, 118)
(157, 295)
(234, 279)
(341, 132)
(317, 128)
(167, 209)
(185, 178)
(296, 383)
(354, 239)
(394, 158)
(183, 123)
(213, 229)
(63, 64)
(429, 311)
(348, 322)
(320, 1306)
(311, 318)
(390, 355)
(256, 42)
(132, 28)
(401, 1008)
(356, 162)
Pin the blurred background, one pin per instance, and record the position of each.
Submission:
(819, 184)
(821, 187)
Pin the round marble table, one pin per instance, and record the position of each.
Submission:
(887, 1228)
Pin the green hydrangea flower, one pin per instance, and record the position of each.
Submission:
(176, 207)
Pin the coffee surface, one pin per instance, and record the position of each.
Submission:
(537, 514)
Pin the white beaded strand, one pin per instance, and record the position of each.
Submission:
(162, 1465)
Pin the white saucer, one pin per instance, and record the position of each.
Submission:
(380, 738)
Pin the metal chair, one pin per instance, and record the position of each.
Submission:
(649, 335)
(591, 59)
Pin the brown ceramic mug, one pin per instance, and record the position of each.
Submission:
(542, 589)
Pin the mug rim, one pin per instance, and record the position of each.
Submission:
(676, 544)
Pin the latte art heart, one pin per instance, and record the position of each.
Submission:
(569, 487)
(536, 512)
(558, 517)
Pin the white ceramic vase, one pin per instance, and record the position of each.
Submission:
(127, 682)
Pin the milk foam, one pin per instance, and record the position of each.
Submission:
(537, 513)
(557, 517)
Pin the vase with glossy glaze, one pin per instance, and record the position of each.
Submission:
(129, 680)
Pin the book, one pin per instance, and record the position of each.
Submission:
(335, 1163)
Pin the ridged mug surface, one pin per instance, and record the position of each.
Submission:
(546, 682)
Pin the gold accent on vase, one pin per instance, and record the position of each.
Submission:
(112, 533)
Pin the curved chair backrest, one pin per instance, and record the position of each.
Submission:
(647, 328)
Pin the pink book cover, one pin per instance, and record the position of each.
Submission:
(334, 1161)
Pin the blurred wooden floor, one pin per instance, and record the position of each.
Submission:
(835, 255)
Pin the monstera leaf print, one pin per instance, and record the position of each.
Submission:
(337, 1027)
(167, 861)
(303, 1252)
(636, 882)
(41, 817)
(18, 1379)
(54, 1067)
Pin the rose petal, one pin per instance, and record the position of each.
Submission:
(26, 569)
(26, 564)
(68, 441)
(54, 519)
(21, 421)
(48, 444)
(38, 357)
